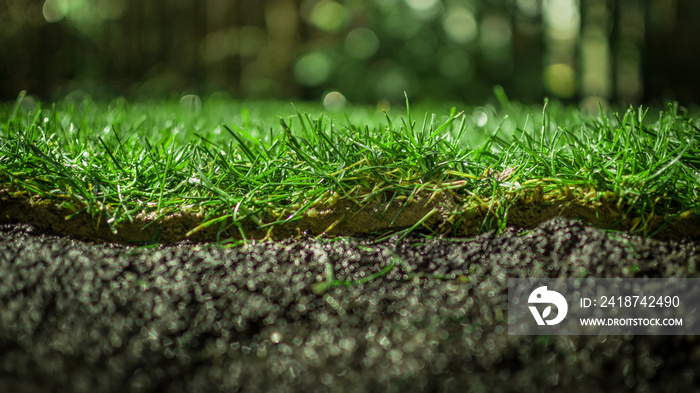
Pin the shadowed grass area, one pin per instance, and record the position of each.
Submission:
(223, 168)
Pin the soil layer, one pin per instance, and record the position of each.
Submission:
(80, 317)
(440, 212)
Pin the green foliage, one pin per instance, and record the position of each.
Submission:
(239, 161)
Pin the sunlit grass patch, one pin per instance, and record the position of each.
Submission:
(166, 171)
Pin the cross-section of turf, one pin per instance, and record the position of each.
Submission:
(169, 171)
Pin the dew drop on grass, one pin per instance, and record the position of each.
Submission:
(191, 103)
(480, 117)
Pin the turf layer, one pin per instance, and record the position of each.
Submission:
(165, 172)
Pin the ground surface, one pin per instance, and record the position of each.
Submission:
(76, 317)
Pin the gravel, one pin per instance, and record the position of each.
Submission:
(81, 317)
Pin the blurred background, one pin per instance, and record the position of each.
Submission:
(362, 51)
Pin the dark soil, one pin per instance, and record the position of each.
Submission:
(80, 317)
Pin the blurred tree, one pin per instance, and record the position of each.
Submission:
(360, 50)
(672, 49)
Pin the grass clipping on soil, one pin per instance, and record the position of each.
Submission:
(314, 178)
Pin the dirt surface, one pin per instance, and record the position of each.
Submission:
(440, 210)
(79, 317)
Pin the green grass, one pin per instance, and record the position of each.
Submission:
(262, 164)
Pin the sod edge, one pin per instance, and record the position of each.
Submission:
(440, 211)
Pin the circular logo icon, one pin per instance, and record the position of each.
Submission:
(542, 296)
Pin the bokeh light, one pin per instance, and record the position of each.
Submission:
(422, 5)
(334, 101)
(313, 69)
(560, 79)
(55, 10)
(83, 12)
(529, 8)
(496, 33)
(361, 43)
(460, 25)
(562, 18)
(328, 15)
